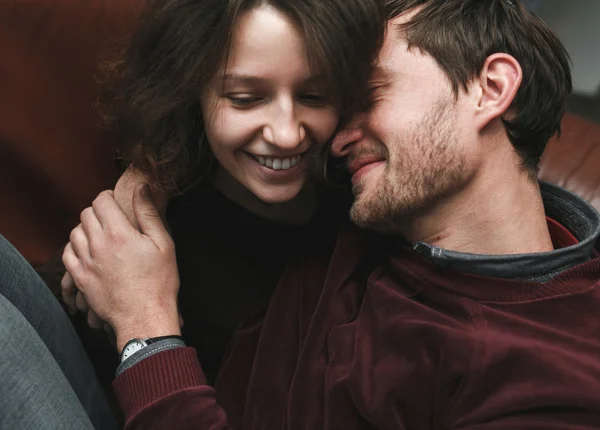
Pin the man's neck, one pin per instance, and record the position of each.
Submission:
(499, 212)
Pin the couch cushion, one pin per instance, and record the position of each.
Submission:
(54, 161)
(573, 160)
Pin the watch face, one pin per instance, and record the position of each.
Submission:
(133, 346)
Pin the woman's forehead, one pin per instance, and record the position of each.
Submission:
(267, 45)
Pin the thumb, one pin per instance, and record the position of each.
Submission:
(148, 216)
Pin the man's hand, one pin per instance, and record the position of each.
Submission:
(129, 278)
(75, 301)
(124, 191)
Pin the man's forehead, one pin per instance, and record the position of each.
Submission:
(381, 70)
(394, 49)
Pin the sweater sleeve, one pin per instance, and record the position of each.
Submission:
(168, 390)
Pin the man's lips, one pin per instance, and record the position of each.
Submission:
(363, 165)
(355, 165)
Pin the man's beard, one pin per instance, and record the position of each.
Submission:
(423, 167)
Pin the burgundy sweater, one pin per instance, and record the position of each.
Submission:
(380, 338)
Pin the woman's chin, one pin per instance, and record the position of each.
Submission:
(277, 196)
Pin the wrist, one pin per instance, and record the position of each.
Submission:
(150, 328)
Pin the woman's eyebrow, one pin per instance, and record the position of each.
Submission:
(236, 78)
(241, 79)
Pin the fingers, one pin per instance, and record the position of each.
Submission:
(109, 213)
(75, 300)
(81, 303)
(79, 243)
(94, 321)
(148, 216)
(72, 264)
(69, 258)
(89, 222)
(161, 201)
(69, 292)
(125, 188)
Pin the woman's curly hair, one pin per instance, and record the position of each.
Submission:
(151, 101)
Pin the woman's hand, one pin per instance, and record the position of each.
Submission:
(128, 277)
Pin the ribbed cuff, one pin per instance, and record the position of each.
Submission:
(156, 377)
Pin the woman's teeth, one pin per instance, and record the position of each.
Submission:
(278, 163)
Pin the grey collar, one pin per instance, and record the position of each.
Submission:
(571, 211)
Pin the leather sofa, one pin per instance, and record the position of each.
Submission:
(53, 158)
(573, 160)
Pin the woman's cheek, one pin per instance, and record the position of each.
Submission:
(323, 124)
(229, 131)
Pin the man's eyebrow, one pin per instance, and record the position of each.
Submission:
(380, 71)
(400, 29)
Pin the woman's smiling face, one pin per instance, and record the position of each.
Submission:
(267, 109)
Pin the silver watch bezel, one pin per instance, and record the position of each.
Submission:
(127, 352)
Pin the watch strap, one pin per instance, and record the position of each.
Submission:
(152, 340)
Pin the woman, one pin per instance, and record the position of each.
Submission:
(230, 101)
(238, 125)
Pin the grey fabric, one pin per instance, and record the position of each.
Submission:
(34, 393)
(23, 288)
(533, 5)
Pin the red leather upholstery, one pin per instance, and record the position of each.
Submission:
(53, 159)
(573, 160)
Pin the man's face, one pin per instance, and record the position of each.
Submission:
(411, 149)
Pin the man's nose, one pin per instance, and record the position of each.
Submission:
(347, 137)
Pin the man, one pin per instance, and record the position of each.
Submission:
(475, 307)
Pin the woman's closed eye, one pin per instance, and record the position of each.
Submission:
(314, 99)
(244, 101)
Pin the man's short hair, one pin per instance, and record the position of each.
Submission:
(461, 34)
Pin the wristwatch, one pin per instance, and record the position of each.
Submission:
(135, 344)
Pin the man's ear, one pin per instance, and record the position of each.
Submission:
(498, 83)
